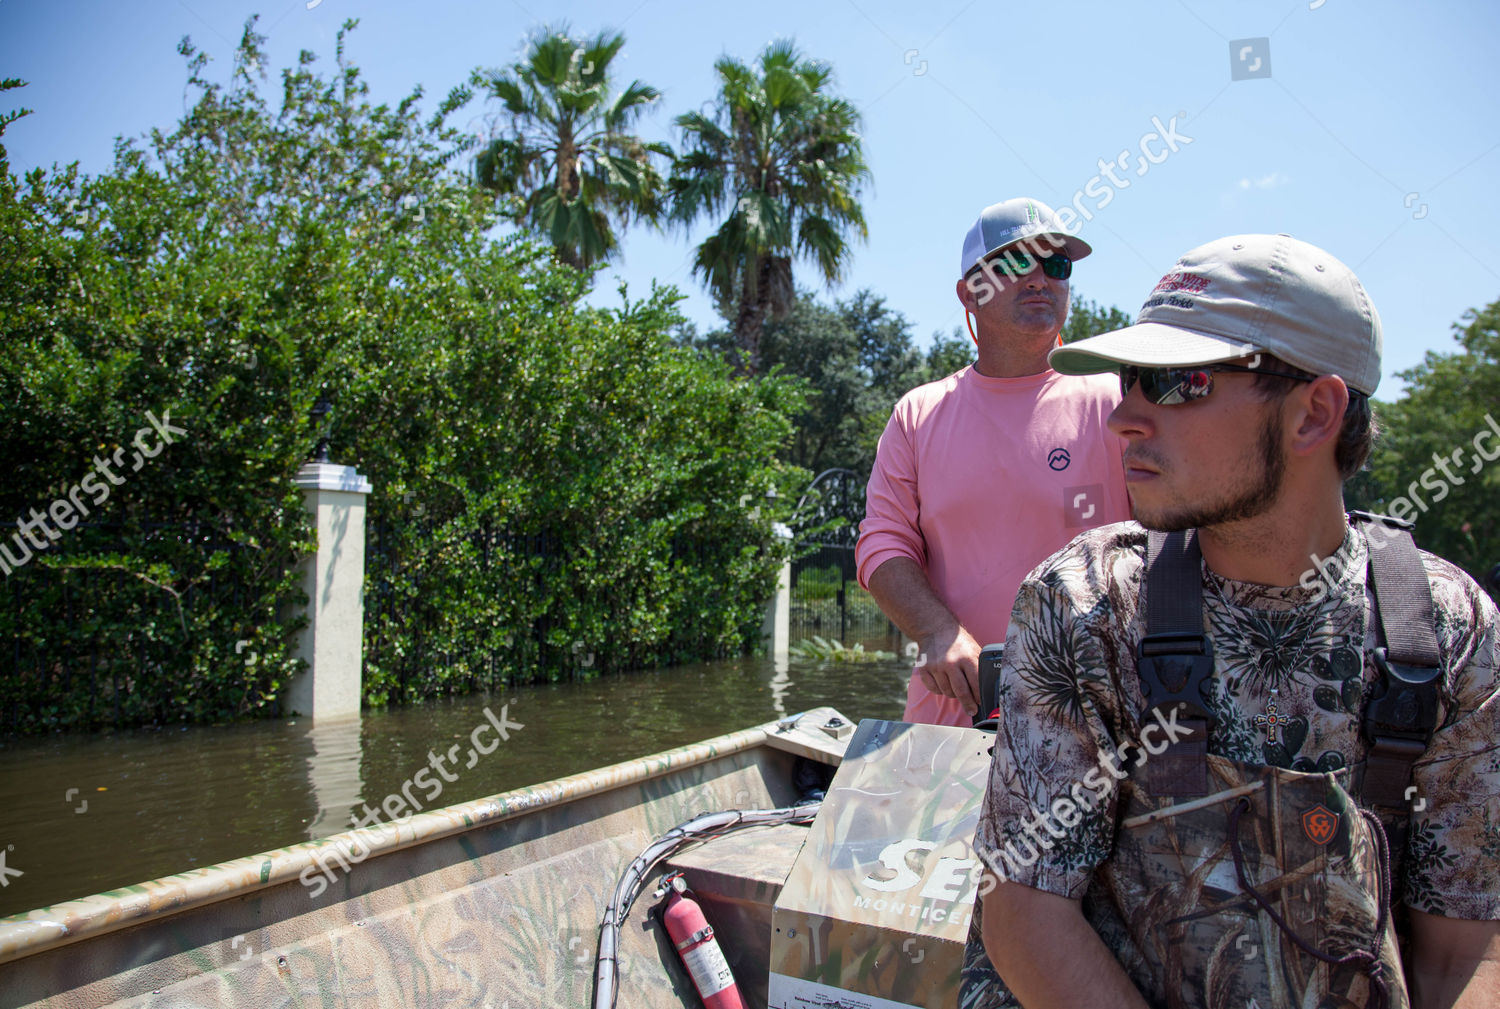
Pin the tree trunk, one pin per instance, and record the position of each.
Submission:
(755, 298)
(568, 185)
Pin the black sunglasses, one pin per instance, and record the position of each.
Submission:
(1171, 386)
(1017, 264)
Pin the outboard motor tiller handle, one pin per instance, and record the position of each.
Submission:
(989, 687)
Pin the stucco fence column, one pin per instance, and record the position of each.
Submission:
(776, 630)
(332, 643)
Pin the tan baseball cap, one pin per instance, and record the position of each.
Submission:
(1244, 295)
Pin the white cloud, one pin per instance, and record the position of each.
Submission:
(1265, 181)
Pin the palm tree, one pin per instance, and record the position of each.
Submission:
(568, 167)
(784, 158)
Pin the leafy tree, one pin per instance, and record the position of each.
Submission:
(857, 359)
(886, 348)
(8, 84)
(1450, 398)
(1088, 318)
(533, 486)
(568, 167)
(949, 354)
(781, 158)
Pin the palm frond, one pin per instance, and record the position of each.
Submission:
(822, 242)
(565, 117)
(720, 261)
(597, 55)
(629, 104)
(783, 157)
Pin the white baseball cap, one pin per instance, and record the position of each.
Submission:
(1006, 223)
(1243, 295)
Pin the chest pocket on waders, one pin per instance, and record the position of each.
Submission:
(1245, 885)
(1270, 888)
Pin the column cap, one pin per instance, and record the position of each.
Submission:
(328, 476)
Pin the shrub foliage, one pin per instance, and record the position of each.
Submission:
(555, 486)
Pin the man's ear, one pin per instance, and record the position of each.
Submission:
(967, 296)
(1320, 414)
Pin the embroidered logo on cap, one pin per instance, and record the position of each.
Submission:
(1180, 281)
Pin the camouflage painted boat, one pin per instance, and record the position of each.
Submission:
(493, 904)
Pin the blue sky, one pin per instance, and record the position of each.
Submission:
(1374, 136)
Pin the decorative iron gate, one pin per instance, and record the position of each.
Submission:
(826, 597)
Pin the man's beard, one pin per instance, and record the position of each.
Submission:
(1253, 497)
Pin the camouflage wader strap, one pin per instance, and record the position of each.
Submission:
(1402, 712)
(1175, 660)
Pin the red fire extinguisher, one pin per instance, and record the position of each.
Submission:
(694, 938)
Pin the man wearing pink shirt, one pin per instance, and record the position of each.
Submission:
(982, 475)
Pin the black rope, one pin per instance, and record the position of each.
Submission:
(1367, 960)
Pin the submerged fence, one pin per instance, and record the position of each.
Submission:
(827, 599)
(90, 637)
(160, 622)
(405, 634)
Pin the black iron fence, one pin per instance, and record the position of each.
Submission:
(827, 599)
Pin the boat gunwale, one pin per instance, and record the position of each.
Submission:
(49, 927)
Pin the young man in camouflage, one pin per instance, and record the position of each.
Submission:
(1246, 382)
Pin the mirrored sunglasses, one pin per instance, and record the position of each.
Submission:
(1017, 264)
(1172, 386)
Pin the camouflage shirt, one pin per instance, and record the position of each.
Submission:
(1293, 670)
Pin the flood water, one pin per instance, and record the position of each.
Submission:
(84, 814)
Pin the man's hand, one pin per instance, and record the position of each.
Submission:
(952, 667)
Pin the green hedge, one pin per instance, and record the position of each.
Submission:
(230, 272)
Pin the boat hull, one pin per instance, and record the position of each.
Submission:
(493, 904)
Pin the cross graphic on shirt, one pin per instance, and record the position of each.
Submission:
(1271, 721)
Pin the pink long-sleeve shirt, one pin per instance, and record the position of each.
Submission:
(979, 480)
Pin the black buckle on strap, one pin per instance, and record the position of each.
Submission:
(1404, 704)
(1174, 667)
(1399, 722)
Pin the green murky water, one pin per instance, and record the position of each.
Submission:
(79, 815)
